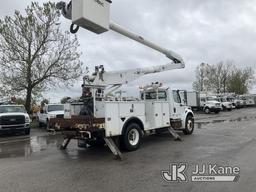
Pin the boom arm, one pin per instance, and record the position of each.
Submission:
(102, 78)
(68, 12)
(94, 16)
(169, 54)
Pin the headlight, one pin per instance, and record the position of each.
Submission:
(27, 120)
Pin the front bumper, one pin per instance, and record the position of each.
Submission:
(215, 109)
(14, 128)
(228, 107)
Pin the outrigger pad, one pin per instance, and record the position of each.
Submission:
(174, 134)
(113, 147)
(65, 143)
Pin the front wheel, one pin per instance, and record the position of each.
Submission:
(189, 126)
(49, 126)
(131, 138)
(207, 110)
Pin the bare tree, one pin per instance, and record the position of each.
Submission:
(201, 77)
(35, 53)
(223, 77)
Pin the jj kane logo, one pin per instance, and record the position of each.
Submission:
(178, 172)
(175, 173)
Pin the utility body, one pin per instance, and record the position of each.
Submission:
(101, 116)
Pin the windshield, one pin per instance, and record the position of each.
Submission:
(230, 99)
(12, 109)
(152, 95)
(211, 99)
(55, 108)
(223, 100)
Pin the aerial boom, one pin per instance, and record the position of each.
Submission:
(169, 54)
(94, 16)
(103, 78)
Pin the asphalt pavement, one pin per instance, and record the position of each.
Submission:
(34, 163)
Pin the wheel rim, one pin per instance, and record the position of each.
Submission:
(190, 125)
(133, 137)
(207, 110)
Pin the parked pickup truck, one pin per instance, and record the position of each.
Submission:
(48, 112)
(14, 118)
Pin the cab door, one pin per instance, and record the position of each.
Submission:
(177, 108)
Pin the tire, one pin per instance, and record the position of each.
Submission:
(48, 125)
(40, 125)
(189, 126)
(27, 131)
(131, 138)
(207, 110)
(216, 112)
(224, 108)
(229, 109)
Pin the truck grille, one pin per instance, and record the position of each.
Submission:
(12, 120)
(59, 116)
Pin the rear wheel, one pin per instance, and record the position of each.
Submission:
(189, 126)
(41, 125)
(131, 138)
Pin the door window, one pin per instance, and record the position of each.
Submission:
(176, 96)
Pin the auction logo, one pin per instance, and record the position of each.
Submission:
(175, 173)
(201, 173)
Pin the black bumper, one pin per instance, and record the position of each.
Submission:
(14, 128)
(215, 109)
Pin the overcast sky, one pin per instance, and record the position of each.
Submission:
(200, 31)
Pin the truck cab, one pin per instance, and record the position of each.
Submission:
(49, 112)
(169, 104)
(225, 105)
(14, 118)
(210, 104)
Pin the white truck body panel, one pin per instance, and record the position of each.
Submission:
(193, 99)
(157, 114)
(99, 110)
(116, 110)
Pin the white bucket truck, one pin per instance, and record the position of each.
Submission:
(111, 119)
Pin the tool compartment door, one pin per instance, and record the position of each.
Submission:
(165, 114)
(157, 114)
